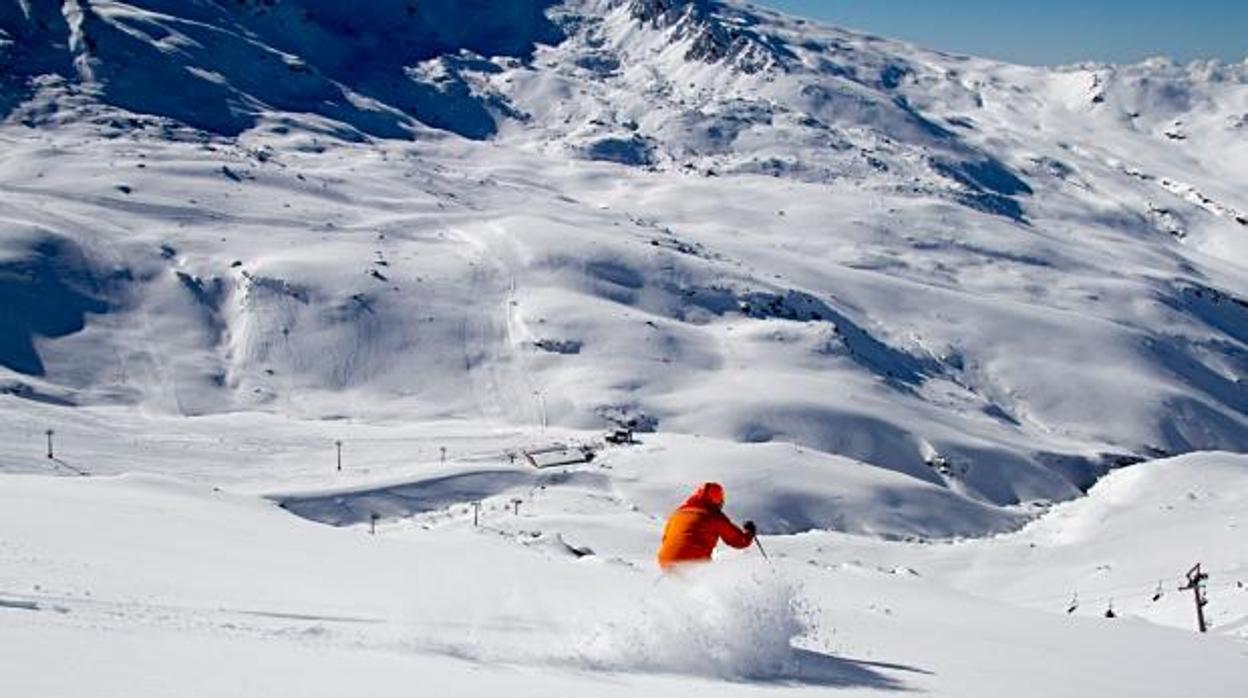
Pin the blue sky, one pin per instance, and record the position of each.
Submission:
(1053, 31)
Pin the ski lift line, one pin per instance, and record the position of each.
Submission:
(1230, 572)
(1128, 600)
(1102, 593)
(1114, 593)
(1076, 601)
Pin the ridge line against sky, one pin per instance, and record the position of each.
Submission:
(1049, 33)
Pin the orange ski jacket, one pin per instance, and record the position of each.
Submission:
(693, 530)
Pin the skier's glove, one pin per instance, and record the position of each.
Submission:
(750, 528)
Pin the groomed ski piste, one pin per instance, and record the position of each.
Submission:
(967, 340)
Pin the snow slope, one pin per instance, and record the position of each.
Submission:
(192, 589)
(909, 307)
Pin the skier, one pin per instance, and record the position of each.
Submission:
(693, 530)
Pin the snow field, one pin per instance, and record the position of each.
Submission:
(145, 577)
(1127, 544)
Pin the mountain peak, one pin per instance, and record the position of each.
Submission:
(712, 35)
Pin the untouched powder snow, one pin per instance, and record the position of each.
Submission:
(291, 292)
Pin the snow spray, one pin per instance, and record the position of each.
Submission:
(722, 620)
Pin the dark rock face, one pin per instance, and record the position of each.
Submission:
(662, 13)
(712, 40)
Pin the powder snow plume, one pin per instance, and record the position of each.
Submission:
(723, 621)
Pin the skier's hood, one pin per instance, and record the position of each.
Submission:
(709, 495)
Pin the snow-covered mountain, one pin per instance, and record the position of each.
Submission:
(881, 292)
(1025, 276)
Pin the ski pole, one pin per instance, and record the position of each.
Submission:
(759, 543)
